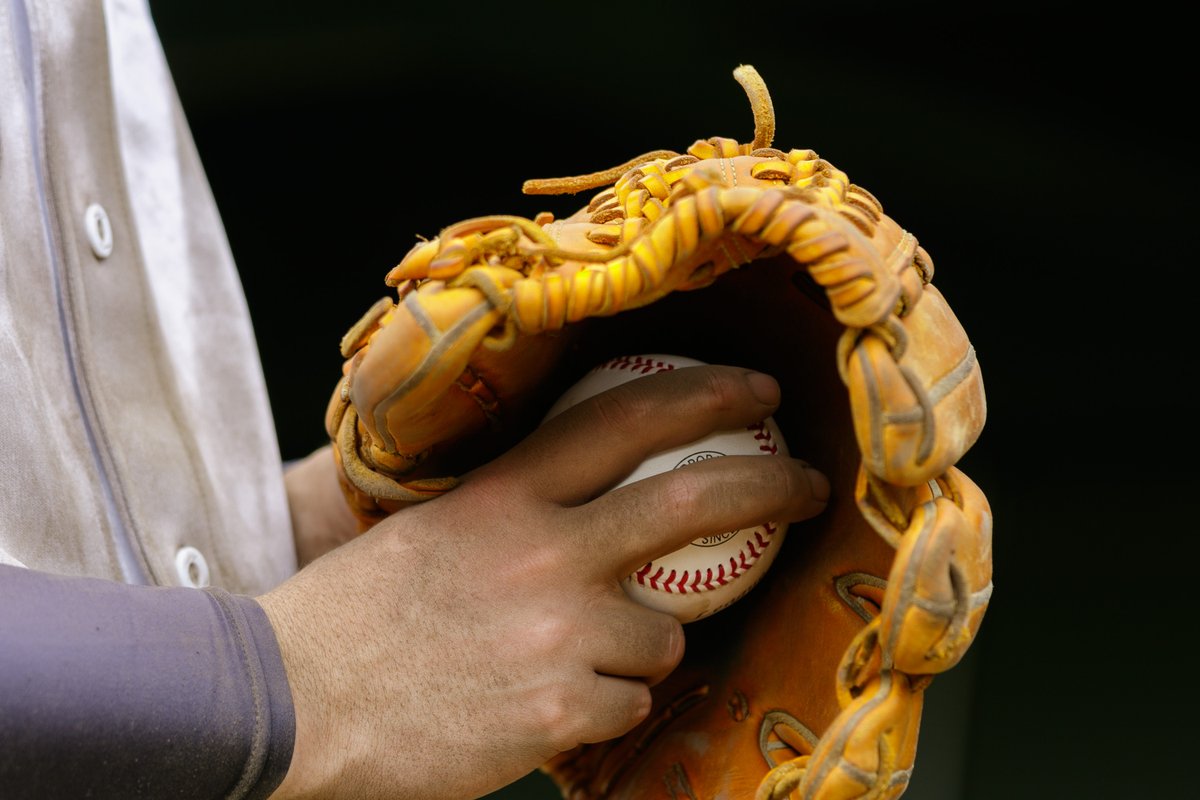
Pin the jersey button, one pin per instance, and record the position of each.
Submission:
(191, 568)
(99, 230)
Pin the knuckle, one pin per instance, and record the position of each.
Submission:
(671, 652)
(621, 409)
(477, 497)
(548, 635)
(789, 490)
(558, 717)
(681, 496)
(720, 391)
(765, 483)
(639, 707)
(529, 562)
(780, 479)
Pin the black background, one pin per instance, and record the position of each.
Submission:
(1045, 161)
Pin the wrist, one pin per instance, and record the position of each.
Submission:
(321, 519)
(304, 777)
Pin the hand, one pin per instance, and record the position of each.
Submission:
(321, 520)
(460, 643)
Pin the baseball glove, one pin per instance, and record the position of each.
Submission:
(812, 685)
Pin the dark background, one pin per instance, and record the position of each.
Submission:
(1046, 164)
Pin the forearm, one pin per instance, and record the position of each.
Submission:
(108, 690)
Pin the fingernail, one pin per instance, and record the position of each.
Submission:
(818, 484)
(764, 388)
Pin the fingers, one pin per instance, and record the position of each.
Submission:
(630, 649)
(590, 447)
(657, 515)
(608, 707)
(632, 641)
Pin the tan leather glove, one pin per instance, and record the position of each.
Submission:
(810, 686)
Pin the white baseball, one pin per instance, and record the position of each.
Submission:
(714, 571)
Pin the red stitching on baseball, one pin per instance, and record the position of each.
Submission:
(694, 582)
(770, 526)
(763, 435)
(637, 364)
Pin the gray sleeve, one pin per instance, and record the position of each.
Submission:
(115, 691)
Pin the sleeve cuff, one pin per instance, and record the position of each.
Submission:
(116, 691)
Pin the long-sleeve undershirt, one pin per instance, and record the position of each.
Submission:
(116, 691)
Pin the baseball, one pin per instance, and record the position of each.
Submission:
(714, 571)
